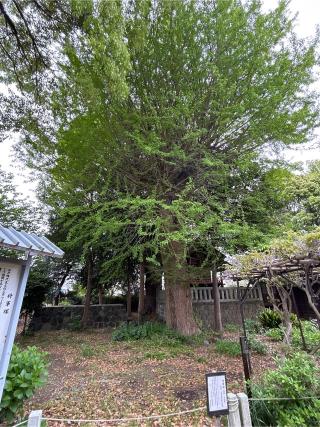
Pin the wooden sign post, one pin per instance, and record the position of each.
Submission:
(217, 400)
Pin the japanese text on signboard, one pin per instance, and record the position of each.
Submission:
(9, 280)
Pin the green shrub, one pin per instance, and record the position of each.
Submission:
(86, 350)
(75, 324)
(311, 335)
(147, 330)
(296, 377)
(275, 334)
(231, 348)
(269, 319)
(252, 326)
(27, 371)
(257, 346)
(294, 320)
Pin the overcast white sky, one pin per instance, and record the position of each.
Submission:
(308, 18)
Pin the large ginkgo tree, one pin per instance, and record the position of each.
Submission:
(156, 110)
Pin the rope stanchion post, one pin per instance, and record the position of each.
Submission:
(234, 414)
(244, 410)
(34, 419)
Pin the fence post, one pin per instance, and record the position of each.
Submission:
(34, 419)
(244, 410)
(234, 414)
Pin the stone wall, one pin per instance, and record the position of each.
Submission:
(230, 312)
(64, 317)
(203, 311)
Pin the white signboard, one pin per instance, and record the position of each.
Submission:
(9, 281)
(217, 401)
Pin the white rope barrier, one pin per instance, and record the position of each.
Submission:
(153, 417)
(284, 398)
(118, 420)
(20, 424)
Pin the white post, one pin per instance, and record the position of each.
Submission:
(244, 410)
(234, 414)
(34, 419)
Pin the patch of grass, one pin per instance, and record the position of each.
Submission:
(161, 348)
(252, 326)
(228, 347)
(87, 350)
(311, 335)
(156, 355)
(200, 339)
(75, 324)
(231, 327)
(275, 334)
(201, 359)
(153, 340)
(147, 330)
(257, 346)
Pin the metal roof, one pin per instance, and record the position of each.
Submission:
(28, 242)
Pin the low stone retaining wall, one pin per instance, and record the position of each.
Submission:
(230, 312)
(64, 317)
(204, 310)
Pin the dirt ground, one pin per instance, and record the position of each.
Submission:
(92, 377)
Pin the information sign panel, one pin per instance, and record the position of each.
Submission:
(13, 281)
(9, 281)
(217, 400)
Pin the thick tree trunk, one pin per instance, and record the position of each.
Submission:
(151, 285)
(141, 293)
(216, 304)
(179, 311)
(129, 300)
(101, 295)
(86, 317)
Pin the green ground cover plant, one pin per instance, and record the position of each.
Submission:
(296, 376)
(27, 372)
(147, 330)
(75, 324)
(228, 347)
(231, 327)
(252, 326)
(257, 346)
(310, 331)
(311, 335)
(269, 318)
(276, 334)
(87, 350)
(154, 339)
